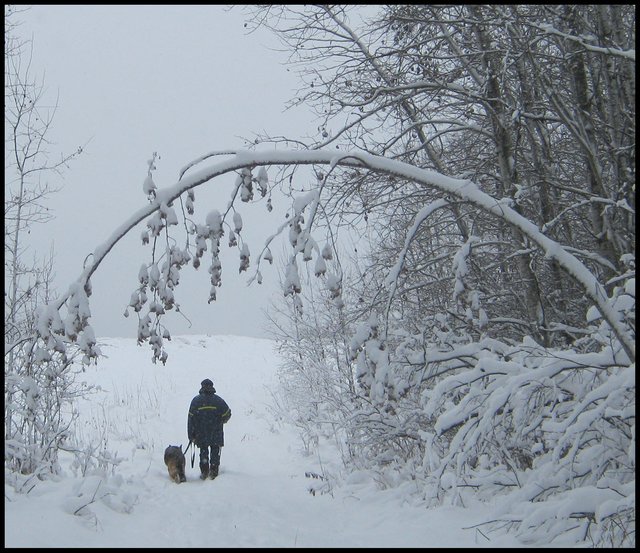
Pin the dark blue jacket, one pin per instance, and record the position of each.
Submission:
(207, 413)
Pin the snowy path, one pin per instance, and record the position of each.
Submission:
(261, 497)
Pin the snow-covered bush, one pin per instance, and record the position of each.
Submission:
(40, 380)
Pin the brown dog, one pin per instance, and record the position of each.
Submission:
(175, 461)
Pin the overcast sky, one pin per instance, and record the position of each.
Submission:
(131, 80)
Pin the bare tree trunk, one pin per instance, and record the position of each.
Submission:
(589, 144)
(506, 158)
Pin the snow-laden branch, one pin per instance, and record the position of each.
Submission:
(549, 29)
(465, 190)
(391, 282)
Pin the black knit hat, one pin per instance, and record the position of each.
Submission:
(207, 385)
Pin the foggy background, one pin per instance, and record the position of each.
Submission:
(178, 80)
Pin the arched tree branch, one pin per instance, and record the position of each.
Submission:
(465, 190)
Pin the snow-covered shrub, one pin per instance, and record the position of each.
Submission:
(40, 391)
(549, 431)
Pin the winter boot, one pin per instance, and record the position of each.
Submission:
(213, 471)
(204, 471)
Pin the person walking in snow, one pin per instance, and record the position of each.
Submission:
(208, 413)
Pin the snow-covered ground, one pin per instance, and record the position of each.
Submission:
(261, 498)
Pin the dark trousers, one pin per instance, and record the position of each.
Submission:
(213, 459)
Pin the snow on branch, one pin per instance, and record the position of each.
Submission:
(465, 190)
(549, 29)
(391, 282)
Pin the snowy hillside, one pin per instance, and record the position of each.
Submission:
(261, 498)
